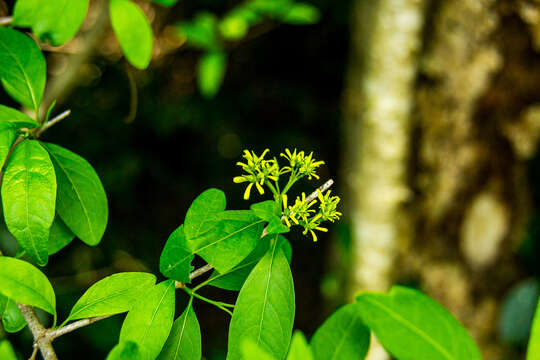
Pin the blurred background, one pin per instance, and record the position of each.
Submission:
(426, 112)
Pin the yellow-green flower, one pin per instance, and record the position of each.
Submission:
(328, 207)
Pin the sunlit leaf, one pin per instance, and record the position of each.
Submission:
(29, 198)
(184, 342)
(81, 202)
(60, 236)
(25, 284)
(426, 330)
(176, 258)
(114, 294)
(149, 321)
(343, 336)
(133, 32)
(55, 20)
(210, 72)
(22, 67)
(264, 310)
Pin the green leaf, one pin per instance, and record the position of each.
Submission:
(269, 211)
(201, 216)
(176, 258)
(302, 14)
(343, 336)
(167, 3)
(252, 351)
(236, 234)
(114, 294)
(200, 32)
(210, 72)
(266, 210)
(127, 350)
(60, 236)
(426, 330)
(533, 352)
(235, 278)
(12, 319)
(29, 197)
(7, 137)
(300, 349)
(149, 321)
(517, 311)
(54, 20)
(81, 202)
(6, 351)
(184, 342)
(25, 284)
(14, 119)
(233, 27)
(264, 310)
(133, 32)
(22, 67)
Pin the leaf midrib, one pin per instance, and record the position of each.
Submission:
(12, 55)
(75, 189)
(412, 327)
(266, 291)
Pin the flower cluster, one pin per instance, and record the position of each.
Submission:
(301, 165)
(260, 172)
(310, 219)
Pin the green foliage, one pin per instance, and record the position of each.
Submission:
(149, 321)
(184, 342)
(6, 351)
(211, 71)
(113, 295)
(125, 350)
(12, 319)
(167, 3)
(235, 278)
(533, 352)
(22, 68)
(50, 195)
(300, 349)
(25, 284)
(81, 199)
(252, 351)
(425, 329)
(60, 236)
(343, 336)
(133, 32)
(13, 119)
(29, 198)
(54, 20)
(176, 258)
(264, 311)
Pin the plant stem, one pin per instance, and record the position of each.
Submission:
(53, 334)
(221, 305)
(6, 21)
(51, 123)
(38, 332)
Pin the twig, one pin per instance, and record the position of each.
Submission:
(53, 334)
(52, 122)
(322, 189)
(6, 21)
(34, 353)
(38, 332)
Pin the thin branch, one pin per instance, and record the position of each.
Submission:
(34, 353)
(322, 189)
(6, 21)
(38, 332)
(53, 334)
(52, 122)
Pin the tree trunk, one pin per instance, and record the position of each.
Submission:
(437, 149)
